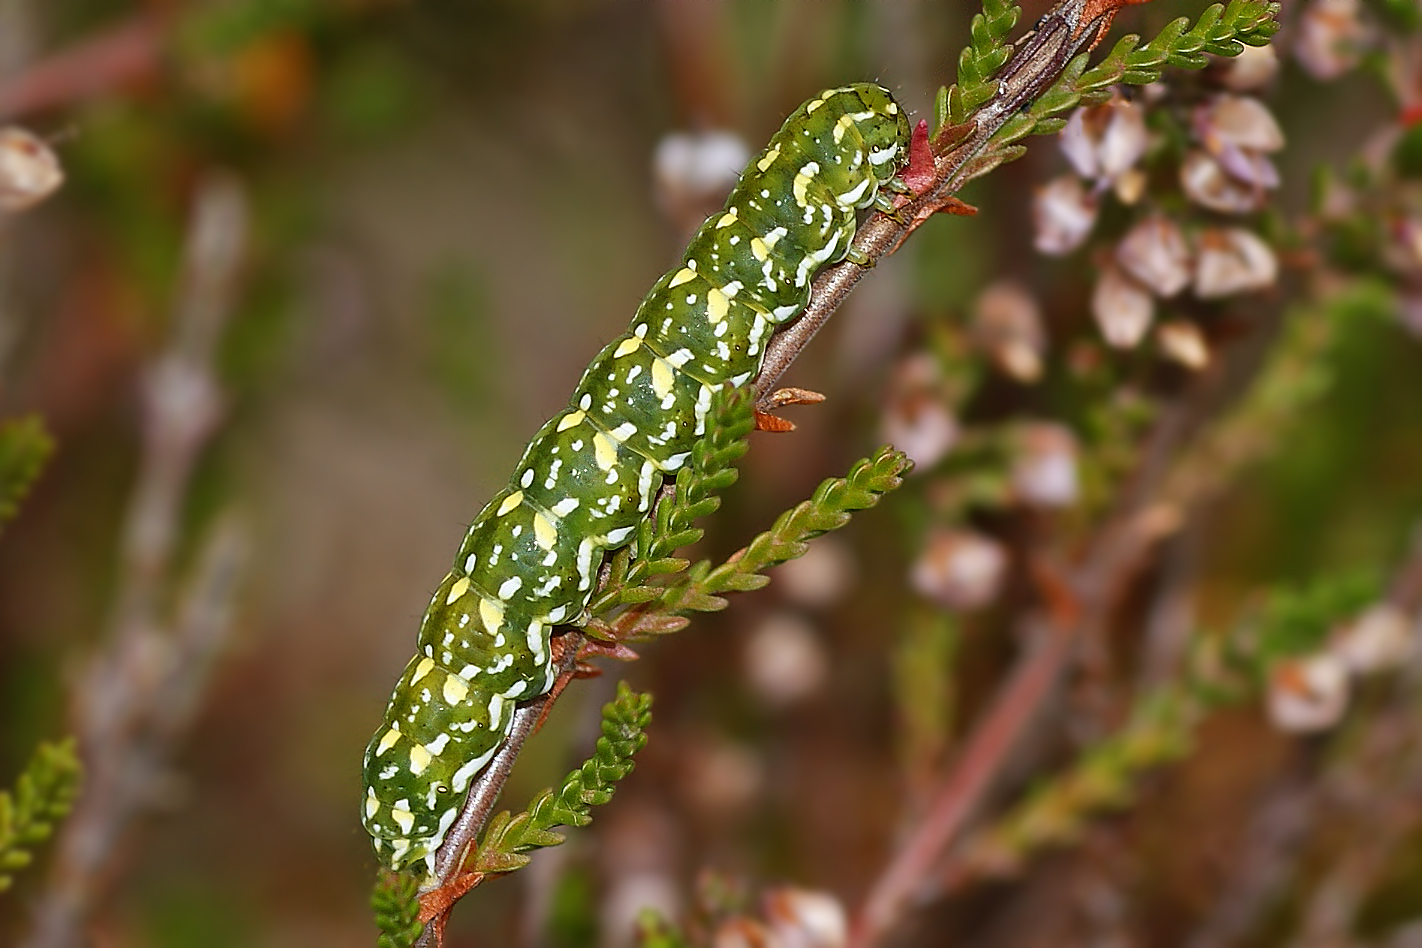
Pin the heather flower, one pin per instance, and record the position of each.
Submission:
(1330, 37)
(1122, 308)
(959, 569)
(29, 170)
(1155, 253)
(1044, 473)
(1233, 260)
(1007, 324)
(1063, 213)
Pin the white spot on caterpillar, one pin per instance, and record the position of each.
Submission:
(470, 562)
(496, 710)
(437, 745)
(527, 478)
(619, 536)
(516, 689)
(565, 506)
(510, 586)
(533, 636)
(626, 430)
(460, 781)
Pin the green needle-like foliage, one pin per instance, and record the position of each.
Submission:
(509, 838)
(979, 62)
(828, 509)
(1221, 30)
(42, 797)
(396, 901)
(672, 525)
(24, 447)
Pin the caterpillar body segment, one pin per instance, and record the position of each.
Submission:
(587, 479)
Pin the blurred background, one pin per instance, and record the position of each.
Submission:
(428, 217)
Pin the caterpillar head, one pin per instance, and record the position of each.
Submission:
(887, 141)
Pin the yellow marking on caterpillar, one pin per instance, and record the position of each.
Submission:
(571, 420)
(544, 533)
(372, 804)
(768, 158)
(510, 502)
(387, 741)
(727, 219)
(460, 587)
(403, 818)
(815, 103)
(419, 759)
(604, 451)
(455, 690)
(628, 346)
(492, 613)
(426, 664)
(684, 275)
(759, 249)
(718, 304)
(802, 183)
(842, 126)
(662, 378)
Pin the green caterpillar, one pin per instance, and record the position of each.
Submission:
(588, 477)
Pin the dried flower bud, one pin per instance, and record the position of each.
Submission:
(1252, 68)
(1239, 132)
(917, 421)
(719, 777)
(1205, 181)
(1155, 253)
(1233, 260)
(744, 933)
(1123, 309)
(1410, 311)
(1330, 37)
(821, 577)
(695, 170)
(1308, 694)
(1064, 213)
(1237, 122)
(1182, 341)
(1007, 324)
(1104, 142)
(29, 170)
(1044, 471)
(784, 659)
(1380, 639)
(960, 570)
(804, 918)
